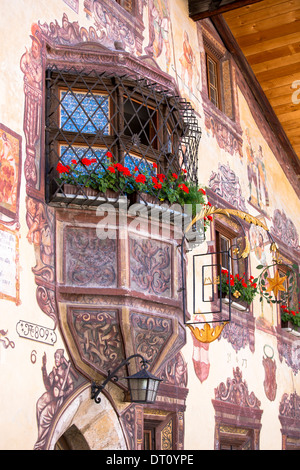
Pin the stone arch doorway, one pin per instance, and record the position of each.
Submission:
(72, 439)
(85, 425)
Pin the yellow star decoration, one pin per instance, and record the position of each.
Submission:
(276, 283)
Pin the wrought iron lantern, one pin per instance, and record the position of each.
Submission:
(143, 386)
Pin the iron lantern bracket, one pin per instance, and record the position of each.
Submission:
(97, 389)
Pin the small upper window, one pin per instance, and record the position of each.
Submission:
(228, 246)
(218, 71)
(213, 80)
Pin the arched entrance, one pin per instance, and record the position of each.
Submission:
(72, 439)
(85, 425)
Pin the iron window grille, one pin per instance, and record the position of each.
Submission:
(93, 115)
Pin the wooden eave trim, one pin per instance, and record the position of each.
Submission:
(259, 96)
(222, 9)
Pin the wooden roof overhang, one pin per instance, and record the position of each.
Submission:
(268, 34)
(199, 9)
(264, 39)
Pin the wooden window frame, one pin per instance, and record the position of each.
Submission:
(217, 52)
(236, 438)
(116, 122)
(282, 270)
(221, 230)
(211, 57)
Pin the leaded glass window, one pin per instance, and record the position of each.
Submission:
(213, 80)
(84, 112)
(95, 118)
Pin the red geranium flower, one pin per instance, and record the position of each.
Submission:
(62, 168)
(111, 169)
(154, 165)
(118, 166)
(86, 161)
(126, 171)
(109, 155)
(141, 179)
(161, 177)
(202, 191)
(184, 188)
(175, 176)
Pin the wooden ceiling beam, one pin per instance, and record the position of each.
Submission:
(278, 82)
(272, 55)
(292, 69)
(270, 44)
(242, 17)
(257, 36)
(281, 61)
(196, 12)
(266, 22)
(280, 93)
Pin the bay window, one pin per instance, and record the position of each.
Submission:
(93, 117)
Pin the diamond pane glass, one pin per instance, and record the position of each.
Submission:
(135, 163)
(83, 160)
(84, 112)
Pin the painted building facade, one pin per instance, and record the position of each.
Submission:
(75, 303)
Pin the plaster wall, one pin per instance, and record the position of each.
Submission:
(22, 350)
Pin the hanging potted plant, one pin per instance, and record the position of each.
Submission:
(242, 291)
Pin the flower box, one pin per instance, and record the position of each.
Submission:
(159, 190)
(290, 327)
(78, 190)
(242, 291)
(78, 194)
(295, 330)
(144, 198)
(240, 305)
